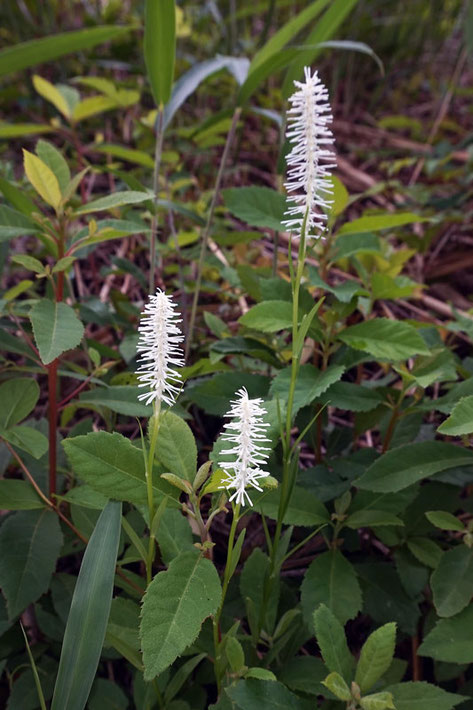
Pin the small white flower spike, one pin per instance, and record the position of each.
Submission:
(159, 341)
(247, 432)
(309, 161)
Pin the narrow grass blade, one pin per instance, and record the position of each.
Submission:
(88, 617)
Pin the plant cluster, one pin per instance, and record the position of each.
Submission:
(229, 480)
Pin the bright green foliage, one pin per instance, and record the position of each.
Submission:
(452, 581)
(331, 580)
(330, 636)
(269, 316)
(88, 615)
(376, 656)
(460, 421)
(30, 541)
(160, 47)
(56, 329)
(443, 520)
(257, 206)
(311, 383)
(335, 683)
(378, 701)
(176, 449)
(438, 642)
(385, 339)
(176, 604)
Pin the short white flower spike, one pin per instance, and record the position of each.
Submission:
(247, 432)
(158, 344)
(310, 160)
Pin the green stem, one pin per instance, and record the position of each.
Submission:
(206, 232)
(153, 438)
(154, 222)
(226, 580)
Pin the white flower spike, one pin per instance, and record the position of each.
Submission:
(310, 161)
(247, 432)
(158, 344)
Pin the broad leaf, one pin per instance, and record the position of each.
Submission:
(310, 384)
(423, 696)
(213, 395)
(269, 316)
(385, 339)
(335, 683)
(452, 581)
(374, 223)
(256, 206)
(252, 693)
(371, 519)
(54, 159)
(332, 643)
(88, 615)
(460, 421)
(304, 674)
(176, 604)
(18, 495)
(30, 542)
(252, 583)
(376, 656)
(176, 449)
(351, 397)
(174, 535)
(49, 92)
(56, 329)
(26, 438)
(18, 397)
(445, 521)
(400, 468)
(331, 580)
(384, 597)
(117, 199)
(303, 509)
(122, 399)
(451, 639)
(43, 179)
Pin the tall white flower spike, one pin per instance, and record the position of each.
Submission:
(247, 432)
(310, 161)
(158, 344)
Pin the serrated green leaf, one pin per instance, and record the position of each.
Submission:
(371, 519)
(443, 520)
(18, 495)
(303, 508)
(253, 693)
(310, 384)
(176, 448)
(256, 206)
(451, 639)
(331, 580)
(401, 467)
(460, 421)
(332, 643)
(26, 438)
(425, 550)
(174, 535)
(452, 581)
(335, 683)
(89, 612)
(351, 397)
(18, 397)
(385, 339)
(423, 696)
(176, 604)
(30, 541)
(269, 316)
(376, 656)
(56, 329)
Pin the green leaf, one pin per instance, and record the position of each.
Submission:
(124, 622)
(129, 154)
(451, 639)
(401, 467)
(30, 542)
(43, 179)
(252, 585)
(252, 693)
(18, 397)
(176, 604)
(371, 519)
(303, 509)
(351, 244)
(121, 465)
(49, 92)
(423, 696)
(25, 437)
(117, 199)
(378, 701)
(174, 535)
(384, 597)
(335, 683)
(213, 395)
(351, 397)
(160, 47)
(88, 615)
(18, 199)
(56, 329)
(107, 694)
(310, 384)
(16, 130)
(256, 206)
(122, 399)
(376, 656)
(269, 316)
(385, 339)
(52, 157)
(375, 223)
(28, 262)
(460, 421)
(425, 550)
(332, 643)
(452, 581)
(443, 520)
(176, 449)
(38, 51)
(331, 580)
(304, 674)
(18, 495)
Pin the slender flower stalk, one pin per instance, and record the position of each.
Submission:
(310, 159)
(246, 431)
(160, 336)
